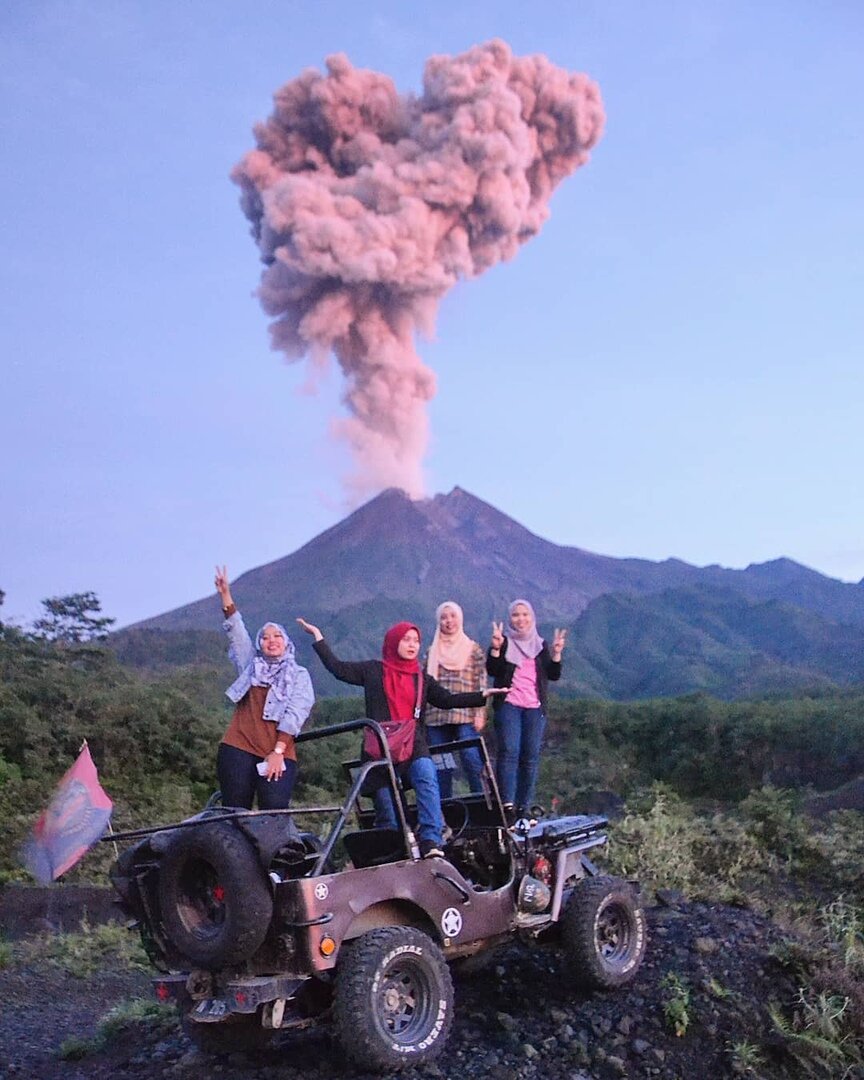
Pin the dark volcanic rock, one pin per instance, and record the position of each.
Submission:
(518, 1019)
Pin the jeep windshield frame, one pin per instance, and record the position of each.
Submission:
(359, 771)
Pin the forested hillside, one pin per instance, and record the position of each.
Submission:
(154, 739)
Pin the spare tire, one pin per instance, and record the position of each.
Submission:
(214, 896)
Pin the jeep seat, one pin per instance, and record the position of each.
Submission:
(373, 847)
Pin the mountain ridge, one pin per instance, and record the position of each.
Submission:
(394, 558)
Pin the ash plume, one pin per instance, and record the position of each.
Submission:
(368, 205)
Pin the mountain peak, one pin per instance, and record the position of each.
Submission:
(783, 570)
(395, 555)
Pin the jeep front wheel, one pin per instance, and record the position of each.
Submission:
(604, 933)
(393, 1003)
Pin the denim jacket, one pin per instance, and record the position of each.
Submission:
(290, 714)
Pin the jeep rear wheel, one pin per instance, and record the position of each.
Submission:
(393, 1003)
(604, 933)
(215, 901)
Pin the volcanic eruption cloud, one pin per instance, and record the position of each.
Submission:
(368, 205)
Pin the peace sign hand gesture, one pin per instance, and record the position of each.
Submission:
(497, 635)
(222, 585)
(558, 643)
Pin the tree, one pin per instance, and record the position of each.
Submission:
(72, 619)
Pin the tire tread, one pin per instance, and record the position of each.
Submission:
(357, 967)
(589, 971)
(248, 919)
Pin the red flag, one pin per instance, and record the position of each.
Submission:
(76, 817)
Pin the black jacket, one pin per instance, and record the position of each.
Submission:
(370, 675)
(502, 672)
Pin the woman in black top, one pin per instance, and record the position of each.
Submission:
(523, 663)
(396, 692)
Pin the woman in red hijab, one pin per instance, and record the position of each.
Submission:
(397, 691)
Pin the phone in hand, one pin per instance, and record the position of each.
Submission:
(262, 768)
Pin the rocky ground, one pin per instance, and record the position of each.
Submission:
(710, 970)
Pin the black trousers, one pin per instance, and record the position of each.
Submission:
(240, 782)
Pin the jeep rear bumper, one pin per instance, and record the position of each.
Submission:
(237, 995)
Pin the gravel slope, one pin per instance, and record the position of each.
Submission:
(516, 1018)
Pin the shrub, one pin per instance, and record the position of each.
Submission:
(664, 843)
(86, 952)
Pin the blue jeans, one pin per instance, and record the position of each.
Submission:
(472, 759)
(423, 777)
(520, 735)
(239, 781)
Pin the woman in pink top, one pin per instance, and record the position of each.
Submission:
(523, 662)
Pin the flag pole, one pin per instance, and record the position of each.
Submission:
(110, 831)
(108, 827)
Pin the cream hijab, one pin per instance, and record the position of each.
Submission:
(450, 651)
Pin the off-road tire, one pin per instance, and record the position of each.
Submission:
(215, 900)
(393, 1003)
(605, 933)
(239, 1034)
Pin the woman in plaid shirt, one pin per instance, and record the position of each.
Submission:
(459, 665)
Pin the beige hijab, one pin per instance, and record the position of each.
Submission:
(453, 651)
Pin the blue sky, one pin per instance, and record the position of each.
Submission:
(672, 367)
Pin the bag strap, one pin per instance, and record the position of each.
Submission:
(419, 702)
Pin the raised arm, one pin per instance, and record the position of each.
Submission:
(347, 671)
(553, 667)
(223, 587)
(497, 651)
(240, 647)
(442, 698)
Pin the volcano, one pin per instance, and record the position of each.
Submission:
(637, 627)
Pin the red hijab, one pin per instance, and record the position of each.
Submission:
(400, 675)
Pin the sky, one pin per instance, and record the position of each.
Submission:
(672, 367)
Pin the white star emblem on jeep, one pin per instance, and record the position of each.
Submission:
(451, 922)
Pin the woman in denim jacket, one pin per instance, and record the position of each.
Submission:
(272, 696)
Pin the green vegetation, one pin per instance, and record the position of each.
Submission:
(138, 1013)
(705, 748)
(154, 740)
(676, 1003)
(746, 1057)
(84, 952)
(824, 1027)
(73, 619)
(713, 799)
(712, 639)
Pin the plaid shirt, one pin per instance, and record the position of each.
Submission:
(468, 681)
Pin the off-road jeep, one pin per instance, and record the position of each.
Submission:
(259, 927)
